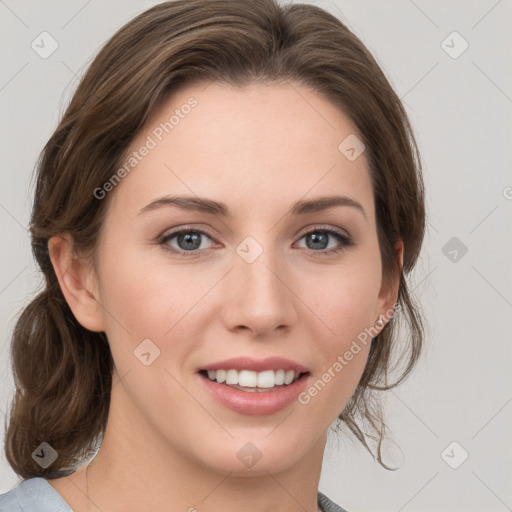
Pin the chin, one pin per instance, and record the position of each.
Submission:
(254, 456)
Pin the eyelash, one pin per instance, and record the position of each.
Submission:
(345, 240)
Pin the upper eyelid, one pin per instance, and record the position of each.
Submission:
(319, 227)
(314, 227)
(185, 229)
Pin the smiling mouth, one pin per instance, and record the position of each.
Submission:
(250, 381)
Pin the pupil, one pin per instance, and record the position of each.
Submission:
(190, 238)
(318, 238)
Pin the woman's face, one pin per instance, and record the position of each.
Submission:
(184, 288)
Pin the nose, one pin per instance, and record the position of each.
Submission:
(259, 297)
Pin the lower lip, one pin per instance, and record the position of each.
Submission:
(255, 403)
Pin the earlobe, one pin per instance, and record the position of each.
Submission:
(76, 278)
(399, 248)
(390, 287)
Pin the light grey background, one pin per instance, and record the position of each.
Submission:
(461, 112)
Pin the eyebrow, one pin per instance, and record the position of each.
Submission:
(204, 205)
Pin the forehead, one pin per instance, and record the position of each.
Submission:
(266, 145)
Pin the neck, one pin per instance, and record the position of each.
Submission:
(136, 469)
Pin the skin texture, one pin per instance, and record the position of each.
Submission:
(168, 445)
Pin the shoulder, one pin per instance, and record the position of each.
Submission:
(33, 495)
(327, 505)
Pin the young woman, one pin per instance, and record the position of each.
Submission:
(224, 217)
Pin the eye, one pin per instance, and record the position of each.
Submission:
(318, 240)
(189, 241)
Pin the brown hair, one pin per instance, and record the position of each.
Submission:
(62, 371)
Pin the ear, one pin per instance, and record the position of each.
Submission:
(77, 281)
(388, 294)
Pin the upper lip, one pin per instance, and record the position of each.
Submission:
(256, 365)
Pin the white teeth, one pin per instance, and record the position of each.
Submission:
(279, 377)
(265, 379)
(231, 377)
(250, 379)
(288, 376)
(247, 379)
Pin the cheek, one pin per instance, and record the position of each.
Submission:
(345, 300)
(353, 307)
(145, 302)
(153, 299)
(346, 303)
(149, 299)
(342, 350)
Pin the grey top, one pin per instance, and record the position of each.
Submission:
(37, 495)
